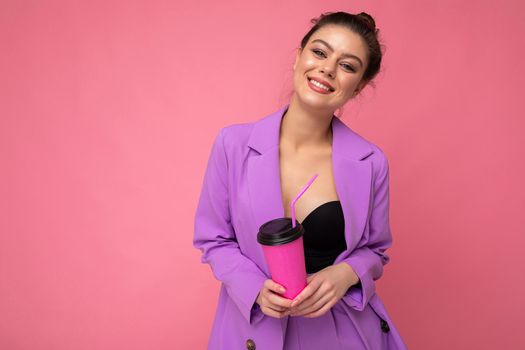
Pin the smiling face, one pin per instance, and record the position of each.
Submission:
(328, 70)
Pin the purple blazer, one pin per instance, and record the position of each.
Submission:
(241, 191)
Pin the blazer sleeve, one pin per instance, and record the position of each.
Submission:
(369, 257)
(215, 237)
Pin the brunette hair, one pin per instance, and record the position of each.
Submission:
(362, 24)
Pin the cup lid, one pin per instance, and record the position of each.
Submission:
(279, 231)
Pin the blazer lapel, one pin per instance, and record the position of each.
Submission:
(264, 181)
(352, 176)
(353, 181)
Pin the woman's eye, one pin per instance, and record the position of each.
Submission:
(319, 53)
(348, 67)
(322, 54)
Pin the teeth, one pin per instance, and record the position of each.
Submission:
(318, 84)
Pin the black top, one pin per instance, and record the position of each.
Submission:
(324, 236)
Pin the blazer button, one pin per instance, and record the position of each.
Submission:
(384, 326)
(250, 344)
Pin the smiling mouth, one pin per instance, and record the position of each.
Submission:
(321, 85)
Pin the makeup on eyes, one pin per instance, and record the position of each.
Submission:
(318, 52)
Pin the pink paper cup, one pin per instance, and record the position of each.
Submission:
(283, 250)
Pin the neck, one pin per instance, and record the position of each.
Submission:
(303, 127)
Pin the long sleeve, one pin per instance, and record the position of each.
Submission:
(215, 237)
(369, 257)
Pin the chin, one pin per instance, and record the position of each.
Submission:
(315, 101)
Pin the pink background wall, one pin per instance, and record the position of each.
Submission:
(107, 114)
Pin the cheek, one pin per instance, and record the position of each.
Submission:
(350, 84)
(305, 64)
(303, 67)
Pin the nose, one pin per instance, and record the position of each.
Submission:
(328, 69)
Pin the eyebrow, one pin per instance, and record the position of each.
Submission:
(343, 55)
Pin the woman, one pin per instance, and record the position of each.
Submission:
(256, 169)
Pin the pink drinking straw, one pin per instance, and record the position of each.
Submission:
(298, 196)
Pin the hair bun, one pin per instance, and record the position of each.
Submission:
(368, 20)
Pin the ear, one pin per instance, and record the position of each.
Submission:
(298, 54)
(360, 86)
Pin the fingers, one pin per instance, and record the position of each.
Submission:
(308, 291)
(277, 300)
(315, 306)
(273, 286)
(273, 307)
(270, 312)
(274, 289)
(322, 310)
(308, 302)
(272, 304)
(276, 308)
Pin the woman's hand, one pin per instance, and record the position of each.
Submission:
(324, 290)
(271, 303)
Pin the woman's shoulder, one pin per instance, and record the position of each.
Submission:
(378, 153)
(368, 149)
(236, 135)
(379, 160)
(232, 140)
(378, 157)
(254, 133)
(361, 148)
